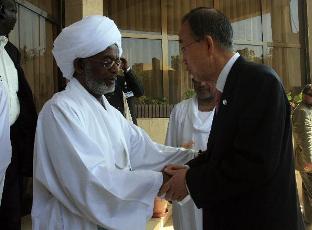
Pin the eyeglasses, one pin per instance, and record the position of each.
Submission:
(189, 44)
(108, 63)
(196, 82)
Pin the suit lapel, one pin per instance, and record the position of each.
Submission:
(225, 103)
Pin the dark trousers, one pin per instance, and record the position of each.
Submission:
(11, 204)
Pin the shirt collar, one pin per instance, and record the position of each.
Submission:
(225, 72)
(3, 41)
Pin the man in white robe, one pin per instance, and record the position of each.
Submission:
(189, 126)
(92, 168)
(5, 143)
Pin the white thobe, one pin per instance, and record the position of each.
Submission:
(9, 78)
(92, 167)
(5, 143)
(187, 125)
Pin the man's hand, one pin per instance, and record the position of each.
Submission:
(175, 188)
(188, 145)
(124, 64)
(166, 178)
(308, 167)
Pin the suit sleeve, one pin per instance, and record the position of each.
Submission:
(26, 121)
(256, 147)
(134, 84)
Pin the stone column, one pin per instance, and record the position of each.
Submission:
(77, 9)
(73, 11)
(92, 7)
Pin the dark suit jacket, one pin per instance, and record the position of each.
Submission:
(23, 130)
(246, 179)
(127, 84)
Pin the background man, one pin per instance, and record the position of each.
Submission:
(92, 168)
(127, 88)
(22, 116)
(5, 143)
(302, 126)
(189, 126)
(246, 178)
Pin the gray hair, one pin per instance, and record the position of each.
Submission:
(205, 21)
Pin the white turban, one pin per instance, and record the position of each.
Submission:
(85, 38)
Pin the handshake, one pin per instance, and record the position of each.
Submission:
(174, 183)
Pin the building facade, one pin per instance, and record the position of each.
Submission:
(265, 31)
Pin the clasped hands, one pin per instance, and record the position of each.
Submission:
(308, 167)
(174, 183)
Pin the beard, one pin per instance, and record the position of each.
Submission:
(99, 88)
(205, 97)
(209, 97)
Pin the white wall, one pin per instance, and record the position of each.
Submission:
(155, 127)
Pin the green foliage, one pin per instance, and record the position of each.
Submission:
(189, 93)
(145, 100)
(294, 99)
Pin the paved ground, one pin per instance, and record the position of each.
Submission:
(26, 222)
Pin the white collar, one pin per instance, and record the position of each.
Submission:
(3, 41)
(225, 72)
(198, 124)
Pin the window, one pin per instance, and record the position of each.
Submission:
(265, 31)
(33, 34)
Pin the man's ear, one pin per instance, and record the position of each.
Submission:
(78, 66)
(210, 43)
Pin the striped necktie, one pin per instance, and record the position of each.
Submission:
(217, 100)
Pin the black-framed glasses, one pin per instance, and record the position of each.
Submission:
(187, 45)
(108, 63)
(196, 83)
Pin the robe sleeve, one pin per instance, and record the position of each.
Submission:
(134, 84)
(147, 154)
(5, 143)
(78, 175)
(171, 137)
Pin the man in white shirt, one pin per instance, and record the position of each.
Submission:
(189, 126)
(5, 143)
(92, 168)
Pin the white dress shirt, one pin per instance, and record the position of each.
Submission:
(225, 72)
(5, 143)
(9, 78)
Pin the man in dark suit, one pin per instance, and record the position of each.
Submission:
(23, 118)
(246, 178)
(128, 85)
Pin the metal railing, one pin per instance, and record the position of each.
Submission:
(153, 111)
